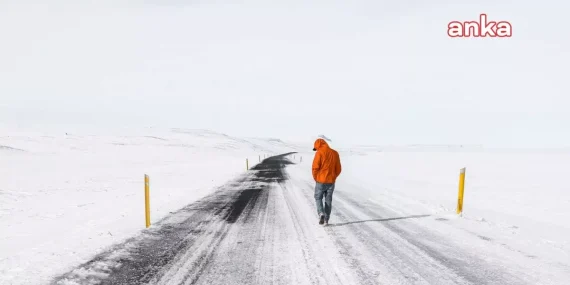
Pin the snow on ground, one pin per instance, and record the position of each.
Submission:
(65, 197)
(516, 200)
(267, 233)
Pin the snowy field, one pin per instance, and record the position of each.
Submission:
(64, 197)
(515, 199)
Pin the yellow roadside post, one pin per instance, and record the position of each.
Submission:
(461, 191)
(147, 200)
(246, 164)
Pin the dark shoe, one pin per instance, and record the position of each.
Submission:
(322, 219)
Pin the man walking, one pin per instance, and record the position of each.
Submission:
(326, 169)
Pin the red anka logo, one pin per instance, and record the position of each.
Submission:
(501, 29)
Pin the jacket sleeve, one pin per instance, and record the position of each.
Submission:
(316, 165)
(338, 165)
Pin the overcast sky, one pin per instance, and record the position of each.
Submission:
(365, 72)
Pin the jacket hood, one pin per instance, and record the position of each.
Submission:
(319, 143)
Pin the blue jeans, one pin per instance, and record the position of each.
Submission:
(326, 191)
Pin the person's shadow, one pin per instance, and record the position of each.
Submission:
(379, 220)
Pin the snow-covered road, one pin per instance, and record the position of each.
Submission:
(262, 229)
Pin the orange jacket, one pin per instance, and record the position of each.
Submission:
(326, 164)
